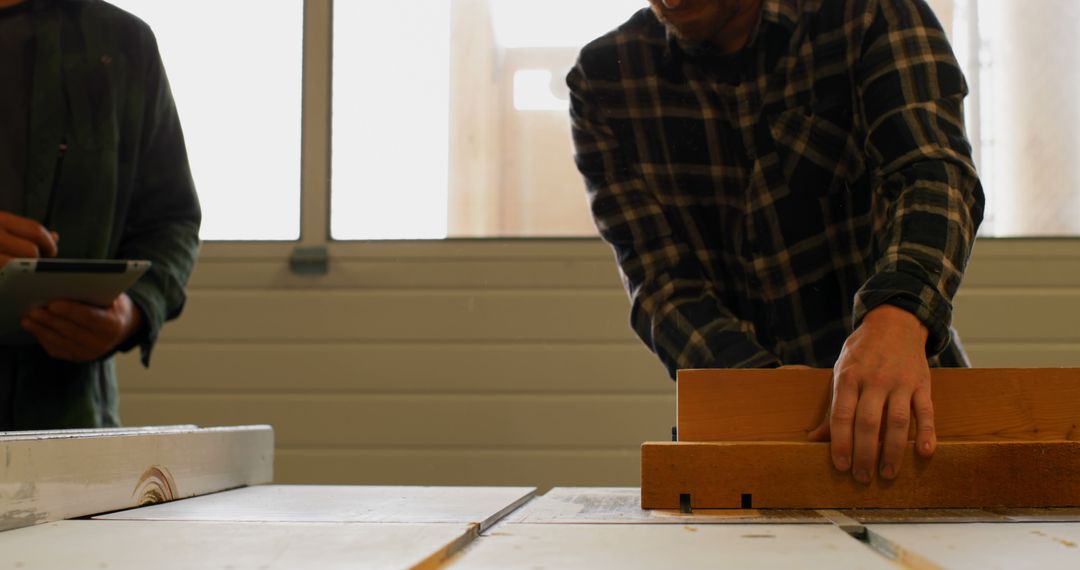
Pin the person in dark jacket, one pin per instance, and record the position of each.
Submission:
(92, 166)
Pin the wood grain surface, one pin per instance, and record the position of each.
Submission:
(791, 475)
(53, 476)
(990, 404)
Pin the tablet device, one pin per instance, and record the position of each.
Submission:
(26, 283)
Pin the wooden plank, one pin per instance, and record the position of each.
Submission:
(481, 506)
(790, 475)
(54, 477)
(622, 505)
(969, 404)
(685, 547)
(982, 546)
(138, 545)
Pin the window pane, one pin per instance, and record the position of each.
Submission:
(235, 69)
(463, 131)
(1022, 60)
(391, 113)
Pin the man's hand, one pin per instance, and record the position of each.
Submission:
(882, 371)
(23, 237)
(77, 332)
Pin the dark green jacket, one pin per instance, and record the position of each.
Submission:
(122, 189)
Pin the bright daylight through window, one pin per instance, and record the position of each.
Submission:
(237, 88)
(450, 116)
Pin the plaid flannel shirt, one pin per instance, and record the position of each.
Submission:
(760, 204)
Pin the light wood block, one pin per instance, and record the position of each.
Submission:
(622, 505)
(983, 546)
(790, 475)
(138, 545)
(481, 506)
(969, 404)
(685, 547)
(50, 477)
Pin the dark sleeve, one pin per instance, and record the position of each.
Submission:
(162, 223)
(911, 94)
(673, 307)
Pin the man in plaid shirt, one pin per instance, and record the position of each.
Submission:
(785, 183)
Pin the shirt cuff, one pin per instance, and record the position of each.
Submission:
(153, 319)
(907, 292)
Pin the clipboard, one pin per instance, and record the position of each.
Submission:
(27, 283)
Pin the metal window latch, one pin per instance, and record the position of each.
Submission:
(310, 260)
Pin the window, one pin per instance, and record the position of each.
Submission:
(449, 117)
(1022, 61)
(237, 87)
(391, 119)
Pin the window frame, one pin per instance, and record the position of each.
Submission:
(316, 120)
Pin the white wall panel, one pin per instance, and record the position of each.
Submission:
(487, 362)
(402, 421)
(403, 368)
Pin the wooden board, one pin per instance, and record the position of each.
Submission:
(309, 503)
(685, 547)
(969, 404)
(982, 546)
(91, 432)
(50, 477)
(787, 475)
(622, 505)
(139, 545)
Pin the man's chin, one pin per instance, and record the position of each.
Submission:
(690, 30)
(691, 34)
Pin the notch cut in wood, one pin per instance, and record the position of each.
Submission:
(969, 404)
(790, 475)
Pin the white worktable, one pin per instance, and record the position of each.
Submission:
(463, 528)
